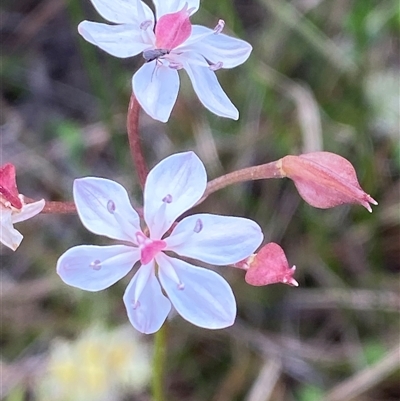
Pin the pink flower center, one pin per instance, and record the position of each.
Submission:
(149, 247)
(173, 29)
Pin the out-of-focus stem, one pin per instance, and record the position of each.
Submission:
(264, 171)
(132, 125)
(160, 348)
(59, 207)
(52, 207)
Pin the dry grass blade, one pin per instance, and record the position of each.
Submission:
(366, 379)
(264, 385)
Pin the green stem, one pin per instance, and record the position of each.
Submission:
(160, 353)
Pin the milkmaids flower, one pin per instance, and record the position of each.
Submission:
(13, 208)
(172, 187)
(168, 43)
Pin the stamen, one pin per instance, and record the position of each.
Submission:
(175, 66)
(145, 24)
(111, 206)
(96, 265)
(135, 305)
(181, 286)
(219, 27)
(141, 239)
(167, 198)
(216, 66)
(199, 226)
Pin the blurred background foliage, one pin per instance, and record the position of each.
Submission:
(324, 74)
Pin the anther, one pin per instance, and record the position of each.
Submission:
(111, 206)
(145, 24)
(216, 66)
(219, 27)
(175, 66)
(181, 286)
(135, 305)
(167, 198)
(96, 265)
(198, 226)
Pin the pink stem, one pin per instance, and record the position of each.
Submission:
(264, 171)
(52, 207)
(132, 125)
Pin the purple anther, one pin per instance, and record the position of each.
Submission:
(111, 206)
(96, 265)
(145, 24)
(167, 198)
(199, 226)
(219, 27)
(216, 66)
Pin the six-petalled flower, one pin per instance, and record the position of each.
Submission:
(173, 186)
(169, 43)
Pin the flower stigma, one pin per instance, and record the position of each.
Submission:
(149, 247)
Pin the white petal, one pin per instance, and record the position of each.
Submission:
(156, 89)
(104, 208)
(173, 186)
(218, 240)
(208, 89)
(200, 296)
(9, 236)
(118, 40)
(145, 304)
(217, 47)
(28, 210)
(123, 11)
(94, 268)
(172, 6)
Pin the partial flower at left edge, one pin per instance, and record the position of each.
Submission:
(9, 236)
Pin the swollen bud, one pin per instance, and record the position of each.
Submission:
(268, 266)
(325, 180)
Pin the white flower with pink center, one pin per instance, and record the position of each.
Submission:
(13, 208)
(173, 186)
(168, 43)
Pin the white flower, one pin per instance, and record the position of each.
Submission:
(199, 295)
(100, 365)
(168, 43)
(13, 208)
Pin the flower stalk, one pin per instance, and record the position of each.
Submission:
(132, 125)
(263, 171)
(54, 207)
(159, 357)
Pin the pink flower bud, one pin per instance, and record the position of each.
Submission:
(173, 29)
(8, 186)
(268, 266)
(325, 180)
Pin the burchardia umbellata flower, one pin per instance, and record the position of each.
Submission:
(173, 186)
(13, 208)
(168, 42)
